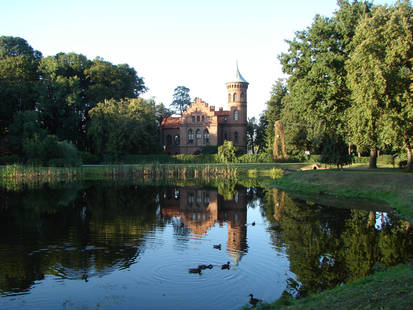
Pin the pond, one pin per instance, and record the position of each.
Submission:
(99, 245)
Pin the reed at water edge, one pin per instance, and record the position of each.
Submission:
(14, 176)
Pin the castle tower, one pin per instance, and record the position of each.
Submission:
(237, 103)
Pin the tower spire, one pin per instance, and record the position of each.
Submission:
(238, 76)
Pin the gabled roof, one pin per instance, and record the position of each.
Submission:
(170, 122)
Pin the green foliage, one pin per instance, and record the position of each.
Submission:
(335, 152)
(256, 134)
(120, 127)
(88, 158)
(18, 76)
(209, 149)
(255, 158)
(49, 151)
(378, 76)
(9, 159)
(181, 99)
(227, 153)
(273, 112)
(25, 126)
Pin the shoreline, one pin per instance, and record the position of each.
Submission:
(386, 289)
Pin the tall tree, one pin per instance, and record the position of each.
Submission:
(273, 111)
(18, 76)
(109, 81)
(378, 75)
(181, 99)
(126, 126)
(318, 94)
(63, 100)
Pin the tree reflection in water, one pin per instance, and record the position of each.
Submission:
(329, 246)
(95, 229)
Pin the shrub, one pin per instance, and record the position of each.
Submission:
(9, 159)
(314, 158)
(227, 152)
(56, 162)
(386, 159)
(255, 158)
(88, 158)
(67, 152)
(209, 149)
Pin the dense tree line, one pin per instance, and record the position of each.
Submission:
(349, 85)
(49, 105)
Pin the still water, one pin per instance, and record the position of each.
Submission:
(97, 245)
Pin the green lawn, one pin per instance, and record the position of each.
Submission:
(391, 186)
(390, 289)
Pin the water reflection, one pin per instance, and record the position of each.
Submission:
(329, 246)
(200, 209)
(72, 233)
(138, 242)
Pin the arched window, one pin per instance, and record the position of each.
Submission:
(168, 140)
(176, 139)
(234, 97)
(242, 95)
(198, 137)
(206, 136)
(229, 97)
(236, 138)
(190, 136)
(236, 115)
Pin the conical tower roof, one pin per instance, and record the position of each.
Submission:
(239, 77)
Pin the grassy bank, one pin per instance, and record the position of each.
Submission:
(391, 186)
(389, 289)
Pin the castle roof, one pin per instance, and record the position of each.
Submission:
(239, 77)
(222, 113)
(170, 122)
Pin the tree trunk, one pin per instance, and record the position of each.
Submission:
(409, 156)
(373, 158)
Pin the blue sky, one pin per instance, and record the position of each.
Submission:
(171, 43)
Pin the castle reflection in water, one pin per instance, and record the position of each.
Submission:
(200, 209)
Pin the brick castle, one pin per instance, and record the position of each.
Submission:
(201, 125)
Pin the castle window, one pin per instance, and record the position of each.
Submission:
(242, 95)
(193, 119)
(168, 140)
(229, 97)
(206, 136)
(203, 118)
(234, 97)
(198, 137)
(198, 118)
(235, 115)
(190, 198)
(190, 136)
(236, 138)
(176, 139)
(198, 198)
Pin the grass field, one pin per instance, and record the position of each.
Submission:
(390, 289)
(391, 186)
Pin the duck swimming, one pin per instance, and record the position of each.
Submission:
(217, 246)
(195, 270)
(226, 266)
(202, 267)
(253, 301)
